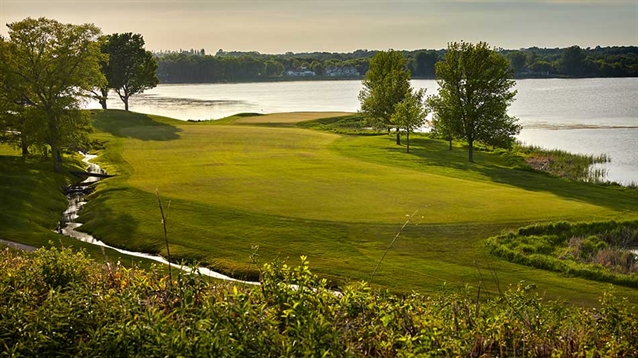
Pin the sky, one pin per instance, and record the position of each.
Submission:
(278, 26)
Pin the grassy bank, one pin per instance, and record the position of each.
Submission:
(32, 202)
(340, 199)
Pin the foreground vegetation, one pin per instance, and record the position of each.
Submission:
(598, 251)
(60, 303)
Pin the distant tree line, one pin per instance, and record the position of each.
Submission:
(197, 67)
(574, 62)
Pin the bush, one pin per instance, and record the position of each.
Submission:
(108, 310)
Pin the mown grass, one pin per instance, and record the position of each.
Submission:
(32, 202)
(339, 199)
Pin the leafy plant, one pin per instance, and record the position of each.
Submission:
(110, 310)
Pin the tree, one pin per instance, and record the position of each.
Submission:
(131, 69)
(50, 67)
(518, 60)
(274, 68)
(385, 85)
(317, 67)
(409, 114)
(101, 94)
(572, 62)
(424, 63)
(444, 123)
(475, 91)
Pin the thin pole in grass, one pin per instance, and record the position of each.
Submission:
(164, 217)
(392, 243)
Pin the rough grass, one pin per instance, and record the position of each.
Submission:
(338, 199)
(564, 164)
(597, 251)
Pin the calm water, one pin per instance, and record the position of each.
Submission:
(589, 116)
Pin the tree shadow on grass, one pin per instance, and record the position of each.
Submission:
(114, 228)
(507, 169)
(134, 125)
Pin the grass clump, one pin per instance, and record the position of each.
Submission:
(600, 251)
(351, 124)
(562, 164)
(60, 303)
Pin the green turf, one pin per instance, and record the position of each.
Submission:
(32, 203)
(338, 199)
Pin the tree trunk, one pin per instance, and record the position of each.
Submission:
(105, 95)
(471, 151)
(126, 104)
(407, 140)
(24, 145)
(57, 159)
(450, 139)
(398, 136)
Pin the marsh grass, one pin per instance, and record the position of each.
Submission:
(597, 251)
(559, 163)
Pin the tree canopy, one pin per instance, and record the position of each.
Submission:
(475, 91)
(130, 69)
(47, 68)
(385, 85)
(409, 114)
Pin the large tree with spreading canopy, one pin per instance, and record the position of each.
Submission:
(48, 68)
(475, 90)
(130, 69)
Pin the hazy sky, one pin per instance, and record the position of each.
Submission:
(345, 25)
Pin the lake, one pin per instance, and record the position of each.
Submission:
(588, 116)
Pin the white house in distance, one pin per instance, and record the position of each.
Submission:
(341, 71)
(302, 72)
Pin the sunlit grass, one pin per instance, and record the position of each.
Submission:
(338, 199)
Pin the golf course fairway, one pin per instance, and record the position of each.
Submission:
(249, 181)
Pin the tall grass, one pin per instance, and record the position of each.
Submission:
(579, 167)
(598, 251)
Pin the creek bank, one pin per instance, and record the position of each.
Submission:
(17, 245)
(68, 226)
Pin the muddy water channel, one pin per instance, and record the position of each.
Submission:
(77, 199)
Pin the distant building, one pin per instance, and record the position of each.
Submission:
(302, 72)
(341, 71)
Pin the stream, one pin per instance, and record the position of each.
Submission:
(68, 225)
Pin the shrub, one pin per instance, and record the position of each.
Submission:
(109, 310)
